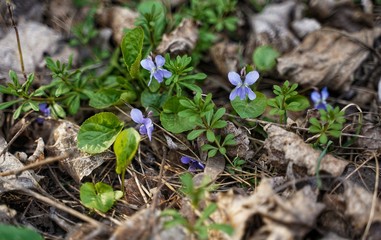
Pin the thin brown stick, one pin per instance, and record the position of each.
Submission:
(17, 38)
(62, 207)
(374, 200)
(34, 165)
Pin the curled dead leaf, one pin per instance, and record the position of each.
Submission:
(268, 215)
(118, 19)
(284, 147)
(339, 55)
(180, 41)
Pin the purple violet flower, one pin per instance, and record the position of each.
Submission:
(320, 99)
(45, 110)
(146, 125)
(157, 70)
(242, 88)
(193, 164)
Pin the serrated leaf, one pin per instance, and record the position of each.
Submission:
(132, 45)
(99, 132)
(125, 147)
(250, 109)
(100, 196)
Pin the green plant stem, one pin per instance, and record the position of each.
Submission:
(322, 154)
(225, 156)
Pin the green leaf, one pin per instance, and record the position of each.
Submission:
(18, 111)
(73, 104)
(57, 110)
(226, 228)
(250, 109)
(212, 153)
(334, 133)
(5, 105)
(297, 103)
(98, 132)
(323, 139)
(34, 106)
(152, 101)
(314, 129)
(62, 89)
(14, 78)
(132, 45)
(210, 135)
(104, 98)
(8, 232)
(264, 58)
(125, 147)
(100, 196)
(314, 121)
(220, 124)
(170, 119)
(219, 113)
(195, 133)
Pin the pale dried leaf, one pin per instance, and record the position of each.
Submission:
(284, 147)
(271, 26)
(243, 148)
(64, 140)
(358, 206)
(180, 41)
(343, 14)
(271, 215)
(118, 19)
(327, 57)
(214, 167)
(225, 56)
(147, 224)
(37, 41)
(8, 162)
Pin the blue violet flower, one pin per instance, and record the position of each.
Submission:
(156, 68)
(242, 88)
(146, 125)
(193, 164)
(320, 99)
(45, 110)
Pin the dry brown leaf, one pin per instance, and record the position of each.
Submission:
(359, 203)
(180, 41)
(284, 147)
(118, 19)
(327, 57)
(37, 41)
(214, 167)
(225, 56)
(64, 140)
(266, 215)
(8, 162)
(146, 224)
(271, 26)
(242, 148)
(343, 14)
